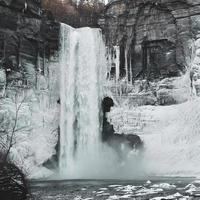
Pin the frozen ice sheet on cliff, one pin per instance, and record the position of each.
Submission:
(171, 137)
(36, 136)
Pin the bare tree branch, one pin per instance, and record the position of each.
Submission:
(10, 140)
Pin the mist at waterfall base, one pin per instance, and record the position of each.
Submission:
(171, 144)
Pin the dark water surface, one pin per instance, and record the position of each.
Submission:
(157, 188)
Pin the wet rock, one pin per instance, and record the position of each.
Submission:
(51, 163)
(109, 135)
(129, 141)
(134, 141)
(13, 185)
(107, 103)
(108, 130)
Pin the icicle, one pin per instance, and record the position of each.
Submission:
(126, 65)
(25, 6)
(117, 62)
(131, 75)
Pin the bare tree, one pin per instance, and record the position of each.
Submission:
(13, 183)
(9, 127)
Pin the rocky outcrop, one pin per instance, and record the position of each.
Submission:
(13, 184)
(29, 76)
(116, 140)
(24, 45)
(152, 35)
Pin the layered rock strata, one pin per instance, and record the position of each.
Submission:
(151, 41)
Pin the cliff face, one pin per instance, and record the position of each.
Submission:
(33, 7)
(29, 77)
(151, 41)
(152, 35)
(23, 40)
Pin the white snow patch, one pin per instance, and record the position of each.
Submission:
(165, 186)
(113, 197)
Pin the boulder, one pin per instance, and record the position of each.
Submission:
(113, 139)
(130, 141)
(107, 103)
(13, 184)
(134, 141)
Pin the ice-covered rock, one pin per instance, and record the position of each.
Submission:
(114, 186)
(36, 130)
(165, 186)
(113, 197)
(148, 191)
(148, 183)
(191, 189)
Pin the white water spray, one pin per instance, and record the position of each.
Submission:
(82, 58)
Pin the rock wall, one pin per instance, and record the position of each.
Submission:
(152, 36)
(32, 7)
(24, 45)
(29, 79)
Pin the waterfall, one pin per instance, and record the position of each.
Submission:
(82, 58)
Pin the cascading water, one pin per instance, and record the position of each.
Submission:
(82, 60)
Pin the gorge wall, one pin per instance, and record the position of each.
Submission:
(154, 72)
(24, 44)
(152, 41)
(29, 80)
